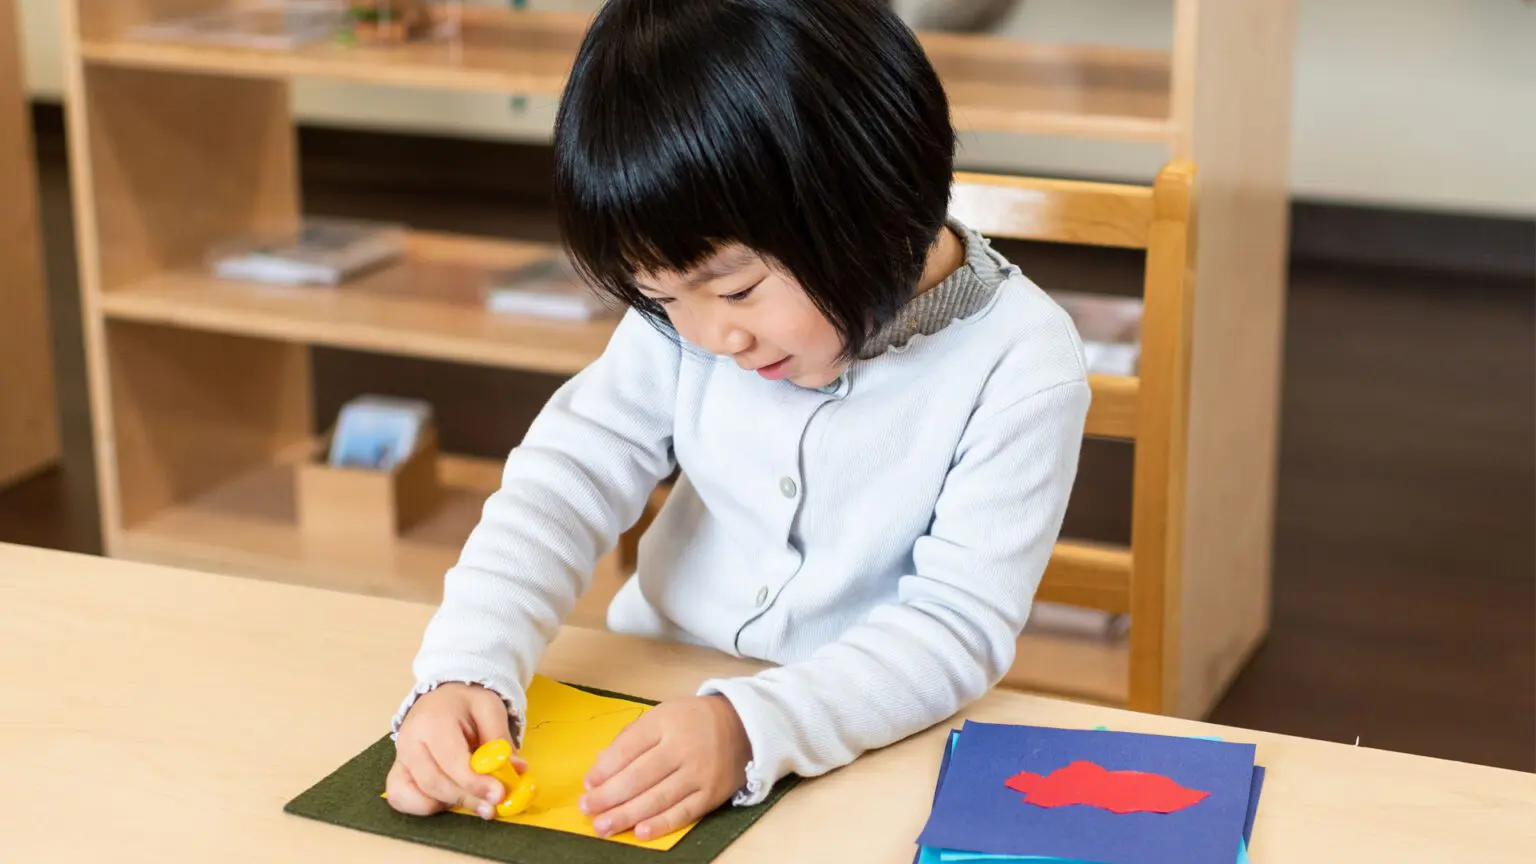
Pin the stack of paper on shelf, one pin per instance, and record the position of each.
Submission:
(546, 288)
(265, 24)
(319, 251)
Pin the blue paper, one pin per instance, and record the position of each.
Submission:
(949, 751)
(1253, 801)
(931, 855)
(934, 855)
(974, 811)
(1253, 798)
(1256, 788)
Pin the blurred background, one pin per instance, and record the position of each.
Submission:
(1402, 604)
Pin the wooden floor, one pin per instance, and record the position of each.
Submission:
(1405, 561)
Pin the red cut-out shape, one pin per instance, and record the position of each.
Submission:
(1115, 791)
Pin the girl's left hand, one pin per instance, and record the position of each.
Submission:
(669, 768)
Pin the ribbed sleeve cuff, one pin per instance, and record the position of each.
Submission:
(770, 746)
(512, 697)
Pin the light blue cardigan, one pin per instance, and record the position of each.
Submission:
(881, 539)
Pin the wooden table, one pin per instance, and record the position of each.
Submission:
(166, 715)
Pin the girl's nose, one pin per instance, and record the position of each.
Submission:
(735, 341)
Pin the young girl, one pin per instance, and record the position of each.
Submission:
(876, 418)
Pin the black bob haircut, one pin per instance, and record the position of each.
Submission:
(814, 132)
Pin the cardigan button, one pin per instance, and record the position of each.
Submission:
(762, 595)
(787, 486)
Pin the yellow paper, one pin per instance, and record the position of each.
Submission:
(567, 728)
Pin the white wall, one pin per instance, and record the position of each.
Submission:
(1429, 102)
(1423, 103)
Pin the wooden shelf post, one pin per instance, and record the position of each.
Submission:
(1231, 112)
(166, 164)
(29, 433)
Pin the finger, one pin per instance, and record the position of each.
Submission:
(427, 770)
(636, 738)
(648, 804)
(451, 752)
(650, 768)
(491, 720)
(405, 796)
(691, 809)
(493, 724)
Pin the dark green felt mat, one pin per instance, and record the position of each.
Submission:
(350, 797)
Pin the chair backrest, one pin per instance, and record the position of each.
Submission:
(1148, 408)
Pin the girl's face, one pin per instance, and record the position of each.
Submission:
(735, 305)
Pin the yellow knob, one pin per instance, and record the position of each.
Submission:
(495, 758)
(518, 798)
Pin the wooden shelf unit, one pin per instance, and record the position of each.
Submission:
(29, 431)
(430, 305)
(249, 524)
(201, 388)
(994, 83)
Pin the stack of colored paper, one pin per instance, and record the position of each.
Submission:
(1073, 796)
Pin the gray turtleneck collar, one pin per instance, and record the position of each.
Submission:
(961, 294)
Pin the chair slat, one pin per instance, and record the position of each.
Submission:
(1056, 211)
(1113, 411)
(1089, 575)
(1080, 669)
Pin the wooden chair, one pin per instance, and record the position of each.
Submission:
(1141, 579)
(1149, 409)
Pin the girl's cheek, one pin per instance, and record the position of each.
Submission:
(681, 323)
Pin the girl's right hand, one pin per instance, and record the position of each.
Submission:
(431, 771)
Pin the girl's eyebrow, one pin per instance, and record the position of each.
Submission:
(715, 268)
(721, 265)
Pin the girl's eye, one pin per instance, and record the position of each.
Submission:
(661, 301)
(740, 295)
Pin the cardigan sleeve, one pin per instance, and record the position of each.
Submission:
(579, 478)
(951, 632)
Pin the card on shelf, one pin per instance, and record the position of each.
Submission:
(377, 432)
